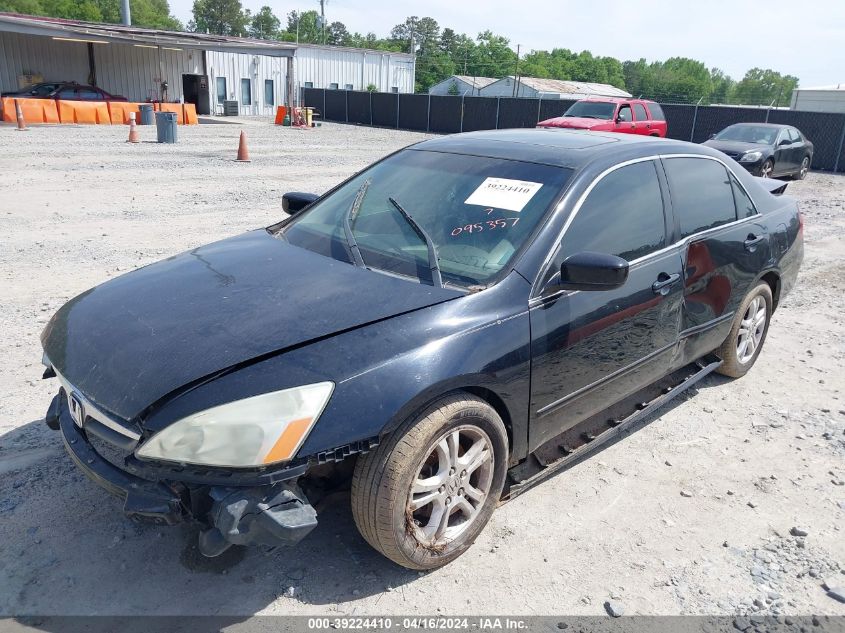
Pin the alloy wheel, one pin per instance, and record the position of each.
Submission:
(805, 167)
(751, 330)
(450, 488)
(767, 169)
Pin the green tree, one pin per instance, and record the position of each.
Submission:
(762, 87)
(723, 87)
(493, 56)
(424, 32)
(264, 25)
(220, 17)
(432, 68)
(338, 35)
(303, 26)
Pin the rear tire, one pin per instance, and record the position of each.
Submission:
(741, 349)
(425, 494)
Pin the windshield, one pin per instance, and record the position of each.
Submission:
(592, 109)
(749, 134)
(42, 89)
(476, 212)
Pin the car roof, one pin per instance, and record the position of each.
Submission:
(557, 147)
(761, 124)
(615, 99)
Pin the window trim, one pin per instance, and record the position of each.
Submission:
(535, 295)
(225, 88)
(243, 94)
(272, 85)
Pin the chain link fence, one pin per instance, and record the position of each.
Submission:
(451, 114)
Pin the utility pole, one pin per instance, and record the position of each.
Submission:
(516, 72)
(323, 18)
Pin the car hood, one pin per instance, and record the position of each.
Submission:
(735, 147)
(576, 122)
(131, 341)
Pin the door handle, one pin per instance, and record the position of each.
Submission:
(752, 240)
(664, 283)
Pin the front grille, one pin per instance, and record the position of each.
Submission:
(75, 400)
(108, 451)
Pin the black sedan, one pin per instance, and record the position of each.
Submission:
(443, 330)
(68, 91)
(766, 149)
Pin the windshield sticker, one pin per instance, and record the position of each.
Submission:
(504, 193)
(478, 227)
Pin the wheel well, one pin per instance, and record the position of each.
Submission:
(498, 404)
(773, 280)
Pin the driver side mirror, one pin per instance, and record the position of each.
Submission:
(712, 136)
(295, 201)
(785, 141)
(592, 271)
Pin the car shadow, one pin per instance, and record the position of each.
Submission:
(66, 548)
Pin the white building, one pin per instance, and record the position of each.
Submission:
(150, 65)
(537, 88)
(461, 85)
(820, 99)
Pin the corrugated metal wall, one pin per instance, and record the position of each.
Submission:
(132, 71)
(137, 72)
(354, 70)
(257, 69)
(54, 60)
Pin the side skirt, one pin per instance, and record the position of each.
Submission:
(587, 438)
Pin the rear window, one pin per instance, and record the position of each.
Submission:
(702, 194)
(656, 112)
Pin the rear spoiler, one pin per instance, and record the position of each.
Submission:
(774, 187)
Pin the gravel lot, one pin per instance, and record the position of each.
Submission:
(753, 458)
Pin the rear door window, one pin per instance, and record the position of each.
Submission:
(702, 194)
(622, 215)
(744, 204)
(639, 110)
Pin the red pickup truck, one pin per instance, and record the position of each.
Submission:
(631, 116)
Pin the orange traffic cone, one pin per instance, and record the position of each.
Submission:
(133, 131)
(19, 114)
(243, 152)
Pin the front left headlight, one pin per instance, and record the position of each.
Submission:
(256, 431)
(751, 157)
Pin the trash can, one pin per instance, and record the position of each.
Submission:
(146, 113)
(166, 127)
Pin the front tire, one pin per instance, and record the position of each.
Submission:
(805, 167)
(424, 495)
(740, 350)
(767, 169)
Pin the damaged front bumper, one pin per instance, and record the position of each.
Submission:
(270, 515)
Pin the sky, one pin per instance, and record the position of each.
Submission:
(804, 39)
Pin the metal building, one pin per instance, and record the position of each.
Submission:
(537, 88)
(208, 70)
(820, 99)
(461, 85)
